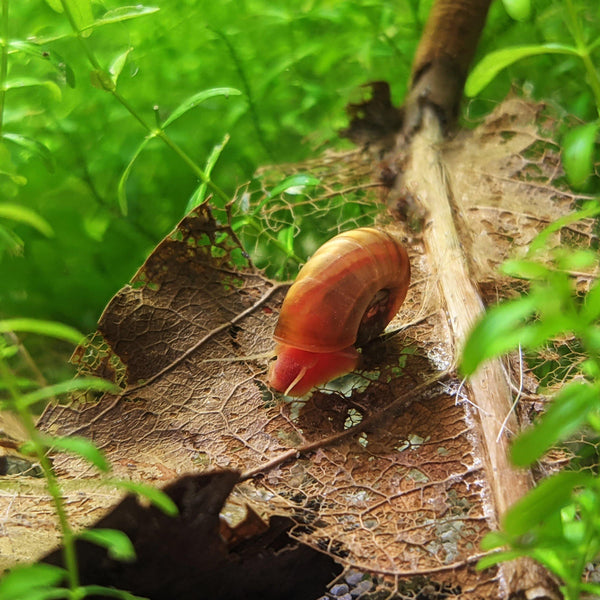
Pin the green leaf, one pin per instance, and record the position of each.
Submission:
(49, 328)
(65, 387)
(57, 61)
(21, 382)
(536, 334)
(575, 532)
(494, 62)
(294, 184)
(34, 146)
(591, 209)
(157, 497)
(29, 448)
(525, 269)
(25, 82)
(591, 588)
(494, 539)
(123, 13)
(286, 237)
(10, 241)
(117, 65)
(592, 339)
(197, 99)
(106, 592)
(196, 198)
(590, 310)
(26, 47)
(547, 499)
(578, 148)
(122, 186)
(117, 543)
(22, 581)
(102, 80)
(82, 447)
(81, 11)
(519, 10)
(497, 557)
(17, 179)
(200, 193)
(569, 259)
(552, 560)
(497, 332)
(568, 410)
(22, 214)
(55, 5)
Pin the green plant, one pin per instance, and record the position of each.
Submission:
(557, 523)
(62, 77)
(75, 159)
(579, 147)
(22, 393)
(78, 167)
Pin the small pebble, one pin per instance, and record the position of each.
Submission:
(340, 589)
(354, 577)
(362, 587)
(344, 597)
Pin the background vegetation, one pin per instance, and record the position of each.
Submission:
(67, 143)
(90, 181)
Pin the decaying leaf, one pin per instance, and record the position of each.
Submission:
(385, 470)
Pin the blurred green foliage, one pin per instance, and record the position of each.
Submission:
(66, 143)
(580, 50)
(297, 64)
(90, 181)
(558, 522)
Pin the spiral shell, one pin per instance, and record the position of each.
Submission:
(345, 294)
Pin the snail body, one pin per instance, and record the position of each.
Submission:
(344, 295)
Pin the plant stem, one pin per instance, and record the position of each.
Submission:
(200, 173)
(3, 59)
(246, 85)
(583, 557)
(36, 439)
(160, 133)
(584, 52)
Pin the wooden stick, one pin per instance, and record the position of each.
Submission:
(442, 59)
(426, 180)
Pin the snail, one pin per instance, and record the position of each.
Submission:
(345, 295)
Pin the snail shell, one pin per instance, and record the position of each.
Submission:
(345, 294)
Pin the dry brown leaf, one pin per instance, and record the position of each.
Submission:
(389, 479)
(503, 176)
